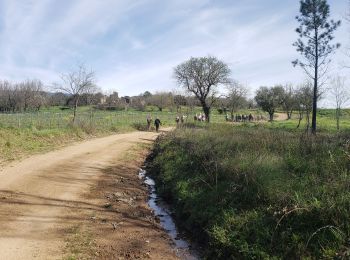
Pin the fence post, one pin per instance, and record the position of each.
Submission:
(19, 121)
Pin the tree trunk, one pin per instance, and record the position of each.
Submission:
(337, 116)
(75, 108)
(314, 106)
(75, 111)
(206, 110)
(300, 118)
(314, 100)
(271, 116)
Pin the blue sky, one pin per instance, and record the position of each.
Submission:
(134, 45)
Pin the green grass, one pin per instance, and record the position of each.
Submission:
(326, 122)
(95, 119)
(79, 244)
(258, 193)
(27, 133)
(23, 134)
(18, 143)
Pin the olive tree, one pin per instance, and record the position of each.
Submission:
(201, 77)
(269, 99)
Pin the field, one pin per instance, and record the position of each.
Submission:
(325, 119)
(32, 132)
(256, 192)
(23, 134)
(91, 118)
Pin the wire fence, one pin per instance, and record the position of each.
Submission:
(101, 119)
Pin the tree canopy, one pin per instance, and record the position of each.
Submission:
(201, 76)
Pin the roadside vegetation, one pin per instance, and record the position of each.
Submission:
(258, 193)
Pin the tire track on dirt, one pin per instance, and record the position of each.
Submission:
(44, 196)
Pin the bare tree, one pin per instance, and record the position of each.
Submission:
(7, 97)
(22, 96)
(340, 95)
(139, 103)
(161, 100)
(113, 99)
(58, 99)
(303, 100)
(179, 100)
(201, 76)
(236, 97)
(288, 100)
(31, 92)
(76, 83)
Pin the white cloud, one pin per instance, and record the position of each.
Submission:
(134, 45)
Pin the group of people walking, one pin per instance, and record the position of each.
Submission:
(180, 120)
(157, 123)
(244, 118)
(200, 117)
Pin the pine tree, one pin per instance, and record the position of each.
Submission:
(316, 32)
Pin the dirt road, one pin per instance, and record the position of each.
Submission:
(83, 201)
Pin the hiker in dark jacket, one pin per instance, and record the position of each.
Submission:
(157, 123)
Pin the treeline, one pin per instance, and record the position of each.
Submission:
(23, 96)
(30, 95)
(286, 98)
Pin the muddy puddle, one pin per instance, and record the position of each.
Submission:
(162, 210)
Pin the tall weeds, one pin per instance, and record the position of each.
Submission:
(256, 193)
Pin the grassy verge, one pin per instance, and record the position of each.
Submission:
(16, 143)
(79, 244)
(258, 193)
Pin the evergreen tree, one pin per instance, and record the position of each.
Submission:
(314, 44)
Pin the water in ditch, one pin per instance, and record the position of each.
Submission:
(182, 247)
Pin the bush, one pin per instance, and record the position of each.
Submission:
(257, 193)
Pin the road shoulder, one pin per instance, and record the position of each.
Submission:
(124, 227)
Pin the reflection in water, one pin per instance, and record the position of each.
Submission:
(161, 210)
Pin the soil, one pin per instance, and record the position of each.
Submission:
(84, 201)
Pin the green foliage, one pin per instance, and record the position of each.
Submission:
(258, 193)
(269, 99)
(316, 32)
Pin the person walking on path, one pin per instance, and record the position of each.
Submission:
(157, 123)
(177, 120)
(149, 120)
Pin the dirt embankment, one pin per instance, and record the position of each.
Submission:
(81, 202)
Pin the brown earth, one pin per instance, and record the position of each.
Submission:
(81, 202)
(281, 117)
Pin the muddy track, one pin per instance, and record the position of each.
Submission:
(84, 200)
